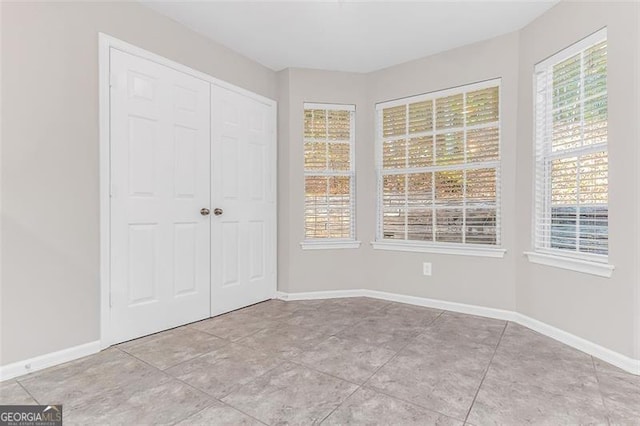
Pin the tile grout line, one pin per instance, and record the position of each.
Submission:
(604, 404)
(364, 384)
(220, 399)
(360, 386)
(431, 410)
(27, 391)
(228, 343)
(211, 405)
(486, 371)
(190, 386)
(402, 348)
(299, 364)
(339, 405)
(280, 322)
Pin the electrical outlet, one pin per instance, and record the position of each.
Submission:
(426, 268)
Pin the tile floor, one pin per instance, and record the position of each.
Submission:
(340, 361)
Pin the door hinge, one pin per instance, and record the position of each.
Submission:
(112, 191)
(113, 80)
(110, 300)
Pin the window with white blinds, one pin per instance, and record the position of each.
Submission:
(329, 172)
(572, 212)
(439, 167)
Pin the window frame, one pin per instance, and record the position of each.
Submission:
(334, 243)
(542, 252)
(467, 249)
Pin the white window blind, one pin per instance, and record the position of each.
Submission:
(439, 167)
(329, 171)
(572, 212)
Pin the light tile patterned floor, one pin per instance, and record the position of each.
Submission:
(339, 361)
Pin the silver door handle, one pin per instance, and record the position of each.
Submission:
(204, 211)
(217, 211)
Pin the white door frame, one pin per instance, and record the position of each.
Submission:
(105, 43)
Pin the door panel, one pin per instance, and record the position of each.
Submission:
(160, 176)
(243, 185)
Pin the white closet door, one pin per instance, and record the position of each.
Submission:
(243, 183)
(160, 176)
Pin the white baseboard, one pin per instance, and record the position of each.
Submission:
(442, 304)
(619, 360)
(313, 295)
(26, 366)
(612, 357)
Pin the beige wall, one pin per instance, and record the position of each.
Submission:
(473, 280)
(397, 272)
(597, 309)
(50, 222)
(316, 270)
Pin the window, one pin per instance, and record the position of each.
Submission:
(329, 176)
(439, 168)
(572, 212)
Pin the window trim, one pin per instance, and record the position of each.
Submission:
(593, 264)
(442, 248)
(465, 249)
(572, 263)
(335, 243)
(329, 243)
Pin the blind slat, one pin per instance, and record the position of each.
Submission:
(329, 201)
(452, 202)
(571, 212)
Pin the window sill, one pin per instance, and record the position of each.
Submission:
(423, 248)
(330, 245)
(564, 262)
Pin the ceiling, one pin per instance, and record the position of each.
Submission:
(348, 36)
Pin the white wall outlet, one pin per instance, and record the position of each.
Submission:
(426, 268)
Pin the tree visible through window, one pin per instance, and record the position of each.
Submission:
(571, 150)
(439, 166)
(329, 171)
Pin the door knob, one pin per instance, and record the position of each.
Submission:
(204, 211)
(217, 211)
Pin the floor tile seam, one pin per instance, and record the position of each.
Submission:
(377, 310)
(302, 364)
(280, 362)
(145, 362)
(211, 404)
(324, 340)
(226, 343)
(486, 370)
(395, 352)
(340, 404)
(27, 391)
(226, 338)
(303, 326)
(283, 361)
(424, 329)
(242, 343)
(243, 412)
(423, 407)
(604, 403)
(156, 336)
(170, 377)
(125, 381)
(394, 356)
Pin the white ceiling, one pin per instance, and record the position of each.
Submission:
(348, 36)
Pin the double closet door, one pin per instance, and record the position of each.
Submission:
(192, 202)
